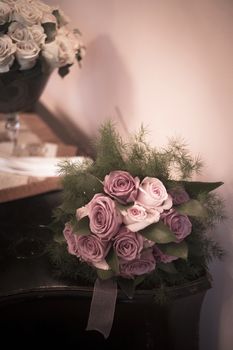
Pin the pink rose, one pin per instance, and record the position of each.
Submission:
(105, 219)
(128, 245)
(136, 218)
(81, 212)
(161, 257)
(178, 223)
(179, 195)
(137, 267)
(91, 249)
(71, 239)
(102, 265)
(153, 194)
(122, 186)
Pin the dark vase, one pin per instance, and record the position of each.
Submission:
(20, 90)
(37, 308)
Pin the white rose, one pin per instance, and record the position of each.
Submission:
(27, 13)
(59, 52)
(73, 36)
(5, 13)
(11, 3)
(19, 32)
(49, 18)
(167, 204)
(7, 50)
(136, 218)
(64, 31)
(50, 54)
(75, 40)
(27, 54)
(41, 6)
(153, 194)
(38, 34)
(102, 265)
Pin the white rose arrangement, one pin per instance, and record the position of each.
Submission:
(32, 31)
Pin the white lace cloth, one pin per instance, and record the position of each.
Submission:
(35, 166)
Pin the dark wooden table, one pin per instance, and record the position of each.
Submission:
(36, 308)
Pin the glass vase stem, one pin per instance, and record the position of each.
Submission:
(12, 127)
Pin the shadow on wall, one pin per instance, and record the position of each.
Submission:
(103, 85)
(217, 308)
(102, 90)
(66, 130)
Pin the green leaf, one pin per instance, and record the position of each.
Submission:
(175, 249)
(121, 206)
(77, 31)
(169, 267)
(158, 233)
(112, 261)
(192, 208)
(104, 274)
(127, 286)
(194, 188)
(61, 20)
(138, 280)
(79, 56)
(63, 71)
(4, 27)
(83, 226)
(59, 238)
(50, 31)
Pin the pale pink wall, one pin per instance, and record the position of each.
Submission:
(168, 64)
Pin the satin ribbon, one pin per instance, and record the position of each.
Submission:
(102, 309)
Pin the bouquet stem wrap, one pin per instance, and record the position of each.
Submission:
(103, 306)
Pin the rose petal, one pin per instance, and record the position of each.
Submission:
(102, 265)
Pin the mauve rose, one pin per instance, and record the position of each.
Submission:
(105, 219)
(91, 249)
(71, 239)
(179, 195)
(122, 186)
(137, 267)
(136, 218)
(161, 257)
(178, 223)
(153, 194)
(128, 245)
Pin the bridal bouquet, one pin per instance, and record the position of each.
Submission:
(32, 31)
(133, 216)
